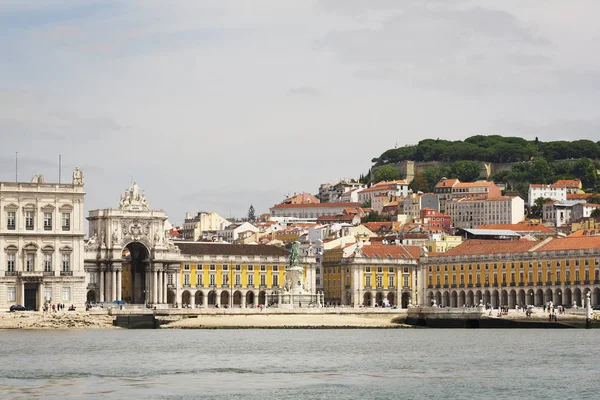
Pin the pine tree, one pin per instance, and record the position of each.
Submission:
(251, 214)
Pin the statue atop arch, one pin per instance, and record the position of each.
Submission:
(133, 200)
(77, 176)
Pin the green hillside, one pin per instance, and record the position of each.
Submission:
(495, 148)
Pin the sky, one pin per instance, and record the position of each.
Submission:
(216, 105)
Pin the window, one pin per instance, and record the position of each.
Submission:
(263, 268)
(11, 293)
(275, 280)
(92, 277)
(170, 279)
(379, 270)
(212, 279)
(238, 267)
(186, 267)
(586, 275)
(368, 269)
(199, 279)
(568, 276)
(391, 269)
(368, 281)
(405, 281)
(30, 262)
(213, 267)
(557, 276)
(549, 276)
(47, 294)
(47, 221)
(446, 280)
(539, 276)
(199, 267)
(10, 262)
(263, 280)
(186, 279)
(66, 221)
(29, 220)
(48, 263)
(577, 276)
(66, 262)
(238, 279)
(11, 221)
(275, 268)
(250, 279)
(391, 281)
(251, 268)
(225, 279)
(225, 267)
(462, 280)
(430, 280)
(66, 294)
(378, 281)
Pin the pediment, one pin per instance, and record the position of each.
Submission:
(11, 248)
(48, 249)
(48, 208)
(66, 249)
(31, 246)
(11, 207)
(66, 207)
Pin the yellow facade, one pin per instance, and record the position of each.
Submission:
(332, 274)
(228, 275)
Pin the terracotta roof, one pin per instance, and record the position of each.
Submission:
(396, 182)
(195, 248)
(585, 232)
(446, 183)
(572, 243)
(317, 205)
(518, 227)
(568, 182)
(486, 247)
(379, 188)
(377, 226)
(391, 251)
(343, 217)
(578, 196)
(591, 205)
(473, 184)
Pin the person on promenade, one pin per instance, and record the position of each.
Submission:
(53, 307)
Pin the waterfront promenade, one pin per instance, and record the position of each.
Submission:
(253, 318)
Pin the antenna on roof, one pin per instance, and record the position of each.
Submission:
(59, 167)
(16, 166)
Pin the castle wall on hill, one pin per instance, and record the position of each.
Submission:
(409, 168)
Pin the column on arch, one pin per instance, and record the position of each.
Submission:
(160, 286)
(165, 283)
(113, 283)
(154, 285)
(101, 269)
(119, 289)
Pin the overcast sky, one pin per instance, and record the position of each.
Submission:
(214, 105)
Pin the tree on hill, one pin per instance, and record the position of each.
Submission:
(386, 173)
(465, 171)
(374, 217)
(537, 208)
(251, 213)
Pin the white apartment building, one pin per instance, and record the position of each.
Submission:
(41, 243)
(553, 191)
(397, 188)
(233, 232)
(193, 227)
(471, 213)
(582, 210)
(311, 211)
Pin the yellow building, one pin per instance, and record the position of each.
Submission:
(369, 274)
(232, 275)
(444, 244)
(515, 273)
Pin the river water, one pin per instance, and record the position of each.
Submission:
(293, 364)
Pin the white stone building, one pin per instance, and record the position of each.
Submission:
(234, 232)
(41, 242)
(553, 191)
(471, 213)
(308, 212)
(194, 227)
(397, 188)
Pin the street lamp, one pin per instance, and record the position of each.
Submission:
(532, 298)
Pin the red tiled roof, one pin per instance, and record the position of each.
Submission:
(391, 251)
(578, 196)
(377, 226)
(572, 243)
(446, 183)
(473, 184)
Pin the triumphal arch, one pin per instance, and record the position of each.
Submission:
(129, 256)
